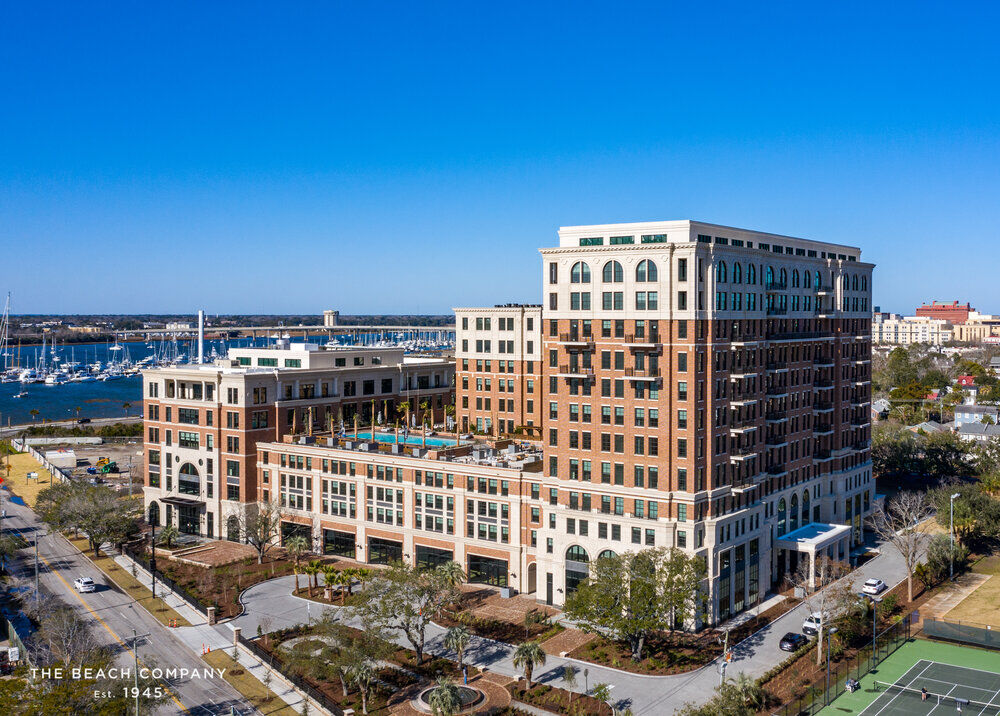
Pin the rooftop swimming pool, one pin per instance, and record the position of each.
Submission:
(416, 440)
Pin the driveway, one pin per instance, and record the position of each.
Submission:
(272, 605)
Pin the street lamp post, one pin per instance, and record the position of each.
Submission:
(951, 531)
(829, 633)
(875, 602)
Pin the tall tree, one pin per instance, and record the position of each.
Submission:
(296, 546)
(260, 526)
(526, 657)
(406, 599)
(629, 596)
(898, 523)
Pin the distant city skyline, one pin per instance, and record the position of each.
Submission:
(411, 158)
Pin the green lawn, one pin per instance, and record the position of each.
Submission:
(900, 662)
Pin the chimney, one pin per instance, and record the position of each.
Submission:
(201, 337)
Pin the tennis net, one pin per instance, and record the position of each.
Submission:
(958, 702)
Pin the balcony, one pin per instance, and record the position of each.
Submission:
(777, 391)
(822, 455)
(776, 470)
(825, 312)
(822, 384)
(823, 362)
(741, 487)
(857, 382)
(576, 340)
(742, 453)
(745, 422)
(737, 430)
(775, 285)
(776, 441)
(574, 371)
(822, 429)
(860, 422)
(824, 407)
(776, 416)
(743, 341)
(650, 374)
(743, 372)
(635, 341)
(777, 366)
(862, 445)
(860, 402)
(739, 401)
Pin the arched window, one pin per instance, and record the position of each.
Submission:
(576, 553)
(816, 282)
(720, 272)
(795, 278)
(154, 514)
(577, 567)
(607, 554)
(737, 273)
(864, 283)
(782, 515)
(187, 481)
(580, 273)
(854, 282)
(645, 271)
(613, 272)
(189, 469)
(805, 508)
(769, 277)
(793, 514)
(751, 274)
(784, 278)
(847, 282)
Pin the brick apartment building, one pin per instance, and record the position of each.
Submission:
(952, 311)
(499, 368)
(203, 422)
(693, 386)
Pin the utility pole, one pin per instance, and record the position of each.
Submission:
(37, 537)
(152, 560)
(135, 671)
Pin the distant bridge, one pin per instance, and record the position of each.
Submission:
(439, 334)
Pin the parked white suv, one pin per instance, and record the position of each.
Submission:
(812, 624)
(84, 584)
(873, 586)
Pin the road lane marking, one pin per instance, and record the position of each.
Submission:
(97, 617)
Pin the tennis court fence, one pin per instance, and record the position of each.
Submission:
(818, 695)
(962, 632)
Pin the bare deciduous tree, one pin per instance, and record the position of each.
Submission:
(898, 523)
(826, 593)
(260, 526)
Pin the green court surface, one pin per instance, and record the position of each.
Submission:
(951, 675)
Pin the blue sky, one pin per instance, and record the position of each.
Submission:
(410, 157)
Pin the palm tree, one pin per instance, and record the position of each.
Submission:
(34, 413)
(311, 569)
(751, 693)
(125, 406)
(527, 656)
(449, 411)
(451, 573)
(456, 639)
(404, 408)
(363, 575)
(167, 535)
(296, 546)
(444, 700)
(331, 576)
(362, 675)
(78, 409)
(426, 407)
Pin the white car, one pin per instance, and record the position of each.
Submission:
(84, 584)
(812, 624)
(873, 586)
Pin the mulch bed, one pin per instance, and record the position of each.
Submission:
(221, 586)
(663, 654)
(497, 629)
(558, 700)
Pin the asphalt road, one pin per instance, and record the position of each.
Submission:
(16, 430)
(113, 616)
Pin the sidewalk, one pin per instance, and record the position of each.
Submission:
(201, 636)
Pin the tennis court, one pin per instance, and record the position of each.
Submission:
(932, 687)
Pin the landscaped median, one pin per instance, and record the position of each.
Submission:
(263, 699)
(130, 585)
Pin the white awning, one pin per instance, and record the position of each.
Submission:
(813, 537)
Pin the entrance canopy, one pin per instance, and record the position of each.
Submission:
(813, 538)
(182, 501)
